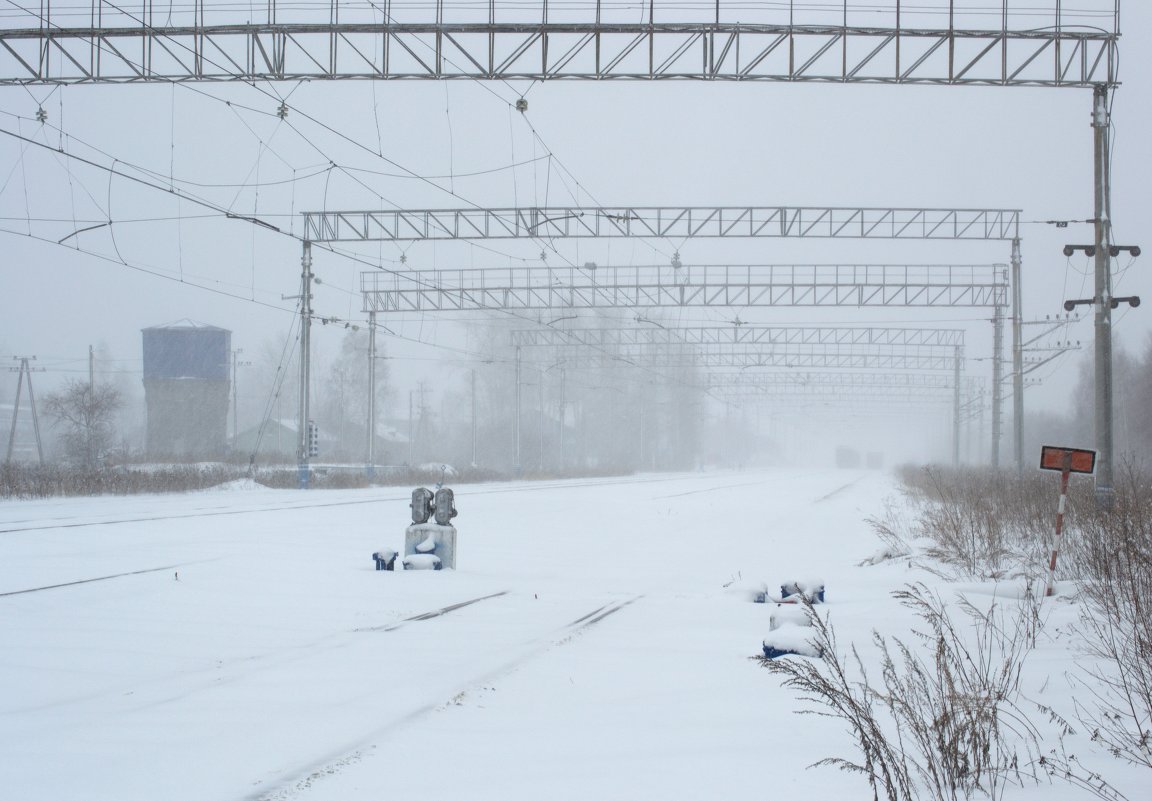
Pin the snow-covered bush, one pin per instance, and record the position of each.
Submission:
(945, 719)
(1114, 562)
(981, 523)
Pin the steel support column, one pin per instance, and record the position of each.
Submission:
(956, 369)
(302, 450)
(997, 382)
(516, 421)
(370, 455)
(1017, 363)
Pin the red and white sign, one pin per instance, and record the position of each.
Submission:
(1074, 460)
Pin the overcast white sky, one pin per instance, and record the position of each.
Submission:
(596, 143)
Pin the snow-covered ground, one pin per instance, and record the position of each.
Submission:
(594, 642)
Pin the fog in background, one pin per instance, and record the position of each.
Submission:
(71, 280)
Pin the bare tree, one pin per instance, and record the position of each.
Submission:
(86, 412)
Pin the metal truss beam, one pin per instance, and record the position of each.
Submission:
(742, 334)
(341, 41)
(673, 222)
(520, 288)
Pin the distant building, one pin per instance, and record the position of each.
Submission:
(275, 441)
(186, 389)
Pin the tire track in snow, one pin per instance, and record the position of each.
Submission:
(433, 614)
(100, 578)
(838, 490)
(335, 762)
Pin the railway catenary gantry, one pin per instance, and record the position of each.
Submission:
(741, 334)
(746, 358)
(766, 285)
(899, 382)
(98, 42)
(92, 41)
(665, 222)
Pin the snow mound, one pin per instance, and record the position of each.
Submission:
(239, 485)
(789, 615)
(791, 639)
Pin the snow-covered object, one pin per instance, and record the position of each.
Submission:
(385, 559)
(430, 538)
(788, 615)
(811, 589)
(884, 554)
(422, 561)
(791, 639)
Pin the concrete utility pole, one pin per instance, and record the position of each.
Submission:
(473, 418)
(1102, 299)
(303, 450)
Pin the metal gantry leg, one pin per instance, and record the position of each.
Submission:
(1017, 363)
(997, 383)
(370, 452)
(958, 360)
(305, 358)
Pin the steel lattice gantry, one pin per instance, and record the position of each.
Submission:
(791, 379)
(671, 222)
(519, 288)
(98, 42)
(752, 347)
(872, 393)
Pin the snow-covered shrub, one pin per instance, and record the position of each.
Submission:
(1115, 564)
(944, 720)
(981, 523)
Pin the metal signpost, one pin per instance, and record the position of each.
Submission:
(1067, 461)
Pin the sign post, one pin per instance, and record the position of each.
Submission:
(1067, 461)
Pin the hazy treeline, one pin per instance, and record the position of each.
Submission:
(1132, 421)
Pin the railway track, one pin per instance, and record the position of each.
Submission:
(404, 498)
(309, 775)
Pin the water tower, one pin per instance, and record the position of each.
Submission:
(186, 387)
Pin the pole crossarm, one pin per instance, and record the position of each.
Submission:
(521, 288)
(743, 334)
(342, 41)
(670, 222)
